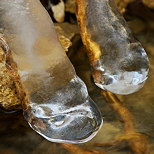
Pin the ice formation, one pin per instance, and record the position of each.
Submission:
(121, 59)
(59, 108)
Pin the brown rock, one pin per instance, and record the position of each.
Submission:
(9, 99)
(149, 3)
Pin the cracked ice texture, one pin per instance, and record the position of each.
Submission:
(123, 62)
(59, 108)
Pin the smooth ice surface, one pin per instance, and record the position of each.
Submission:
(60, 109)
(123, 63)
(68, 116)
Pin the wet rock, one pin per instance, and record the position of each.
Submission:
(9, 99)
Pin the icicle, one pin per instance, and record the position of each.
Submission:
(59, 108)
(119, 61)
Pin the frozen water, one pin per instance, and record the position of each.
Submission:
(69, 115)
(60, 108)
(123, 62)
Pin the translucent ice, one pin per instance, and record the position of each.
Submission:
(59, 108)
(123, 62)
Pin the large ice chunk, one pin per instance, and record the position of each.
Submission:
(59, 107)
